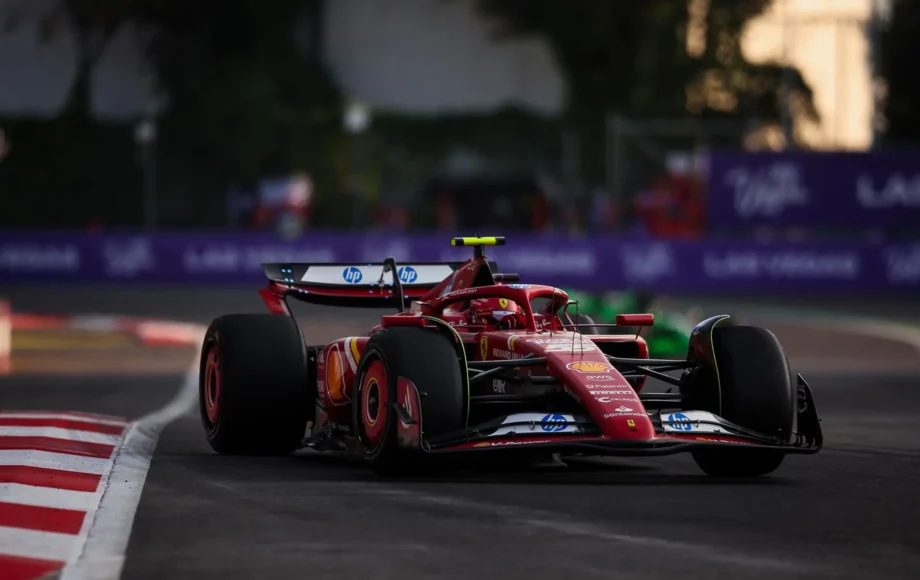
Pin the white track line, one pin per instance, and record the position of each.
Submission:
(876, 328)
(60, 433)
(49, 460)
(33, 544)
(564, 525)
(100, 552)
(48, 497)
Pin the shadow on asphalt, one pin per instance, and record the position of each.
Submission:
(314, 467)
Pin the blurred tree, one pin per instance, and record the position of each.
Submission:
(247, 99)
(664, 59)
(655, 57)
(898, 46)
(93, 24)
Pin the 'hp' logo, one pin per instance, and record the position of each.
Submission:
(680, 421)
(553, 422)
(407, 275)
(352, 275)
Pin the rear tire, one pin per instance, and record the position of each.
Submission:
(253, 390)
(428, 360)
(751, 386)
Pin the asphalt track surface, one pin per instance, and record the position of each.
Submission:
(849, 512)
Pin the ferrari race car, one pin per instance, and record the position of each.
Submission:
(474, 362)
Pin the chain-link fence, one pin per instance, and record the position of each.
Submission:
(643, 151)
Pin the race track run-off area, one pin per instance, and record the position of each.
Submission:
(66, 477)
(105, 473)
(54, 468)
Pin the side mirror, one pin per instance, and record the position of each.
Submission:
(635, 319)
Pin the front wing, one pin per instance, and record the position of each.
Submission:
(675, 432)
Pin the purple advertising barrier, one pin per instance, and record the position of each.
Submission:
(814, 190)
(592, 264)
(232, 258)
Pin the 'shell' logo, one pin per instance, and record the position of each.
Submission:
(589, 367)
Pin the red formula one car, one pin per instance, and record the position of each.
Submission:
(473, 362)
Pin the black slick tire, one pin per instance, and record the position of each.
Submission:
(427, 359)
(262, 398)
(751, 386)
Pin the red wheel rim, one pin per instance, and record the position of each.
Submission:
(374, 402)
(212, 386)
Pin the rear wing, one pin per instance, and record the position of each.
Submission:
(370, 285)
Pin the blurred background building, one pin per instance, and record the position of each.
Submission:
(828, 42)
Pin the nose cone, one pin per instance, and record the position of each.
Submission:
(603, 392)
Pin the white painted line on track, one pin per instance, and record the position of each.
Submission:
(49, 497)
(876, 327)
(560, 523)
(66, 416)
(100, 552)
(59, 461)
(34, 544)
(894, 331)
(59, 433)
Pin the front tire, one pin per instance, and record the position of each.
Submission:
(253, 389)
(751, 385)
(427, 359)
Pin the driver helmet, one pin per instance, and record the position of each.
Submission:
(499, 312)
